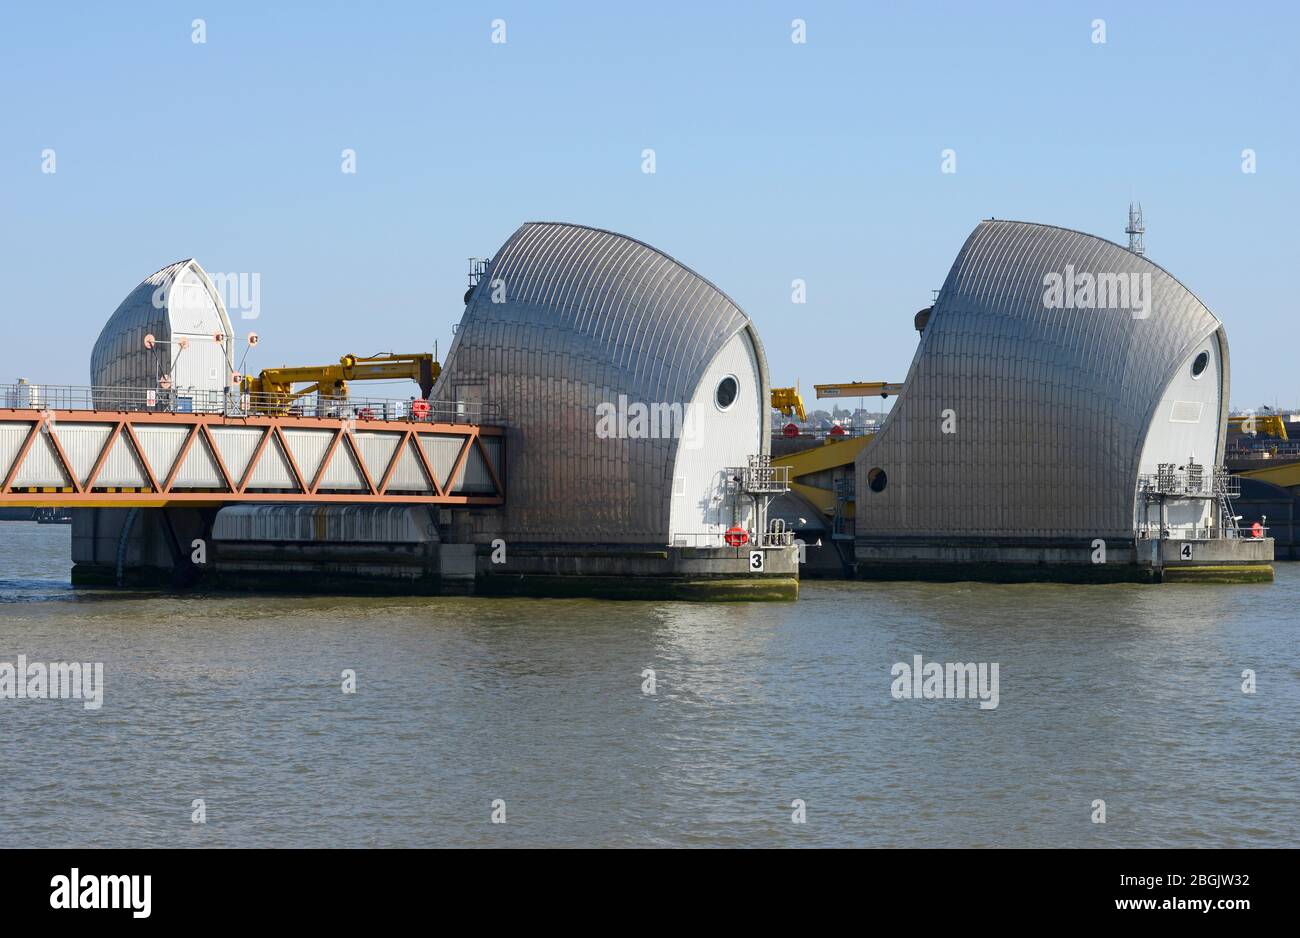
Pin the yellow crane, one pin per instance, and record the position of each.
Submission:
(858, 389)
(1259, 424)
(273, 388)
(789, 402)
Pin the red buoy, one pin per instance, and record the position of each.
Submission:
(790, 429)
(736, 536)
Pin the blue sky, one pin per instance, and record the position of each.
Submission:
(774, 160)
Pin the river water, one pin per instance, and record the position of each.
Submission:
(1131, 695)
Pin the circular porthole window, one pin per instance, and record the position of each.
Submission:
(724, 395)
(877, 480)
(1200, 364)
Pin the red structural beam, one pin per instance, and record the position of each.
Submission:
(161, 490)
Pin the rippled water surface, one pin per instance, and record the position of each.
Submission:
(1128, 694)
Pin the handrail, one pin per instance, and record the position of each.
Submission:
(1195, 481)
(232, 403)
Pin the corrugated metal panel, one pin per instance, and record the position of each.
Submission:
(492, 446)
(83, 442)
(441, 451)
(308, 448)
(588, 315)
(474, 476)
(122, 467)
(272, 470)
(199, 470)
(335, 524)
(42, 466)
(343, 473)
(1051, 405)
(161, 446)
(409, 476)
(12, 436)
(376, 450)
(237, 446)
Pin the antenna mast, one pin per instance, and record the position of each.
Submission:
(1136, 229)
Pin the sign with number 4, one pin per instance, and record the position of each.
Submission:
(756, 561)
(1185, 552)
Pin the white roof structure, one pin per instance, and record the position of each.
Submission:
(178, 302)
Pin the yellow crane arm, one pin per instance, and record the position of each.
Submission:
(332, 380)
(858, 389)
(789, 402)
(1253, 425)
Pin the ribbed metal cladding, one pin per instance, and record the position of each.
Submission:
(119, 358)
(587, 316)
(1052, 406)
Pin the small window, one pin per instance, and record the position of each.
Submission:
(877, 480)
(725, 393)
(1199, 365)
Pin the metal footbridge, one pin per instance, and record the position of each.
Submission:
(115, 448)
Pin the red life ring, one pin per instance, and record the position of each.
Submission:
(837, 430)
(420, 409)
(1256, 530)
(736, 536)
(790, 430)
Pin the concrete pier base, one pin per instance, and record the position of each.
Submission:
(400, 550)
(463, 569)
(1220, 560)
(619, 572)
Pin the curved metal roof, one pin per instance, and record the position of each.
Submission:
(1051, 405)
(119, 358)
(588, 315)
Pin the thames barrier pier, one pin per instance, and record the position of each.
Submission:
(601, 426)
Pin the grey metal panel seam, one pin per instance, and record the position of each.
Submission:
(1086, 381)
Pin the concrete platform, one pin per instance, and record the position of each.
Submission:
(1236, 560)
(399, 551)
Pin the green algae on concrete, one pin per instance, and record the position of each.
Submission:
(1225, 573)
(704, 589)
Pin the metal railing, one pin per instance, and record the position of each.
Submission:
(760, 477)
(698, 539)
(1265, 450)
(827, 433)
(1201, 533)
(232, 403)
(1246, 531)
(770, 539)
(1194, 481)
